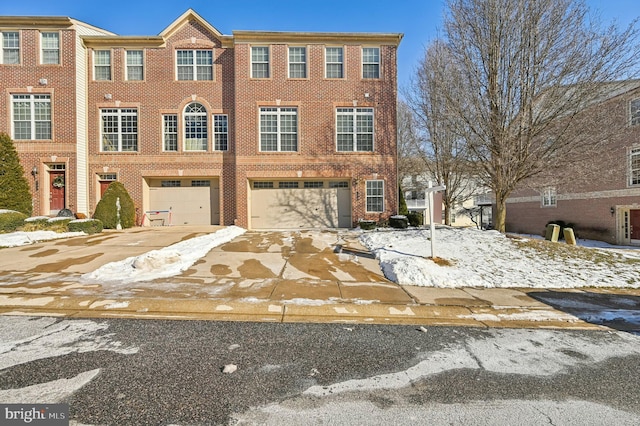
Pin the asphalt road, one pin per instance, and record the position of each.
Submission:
(142, 372)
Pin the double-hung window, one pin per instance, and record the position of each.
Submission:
(102, 65)
(119, 129)
(297, 62)
(634, 112)
(278, 129)
(370, 62)
(170, 132)
(259, 62)
(334, 62)
(634, 166)
(31, 117)
(50, 48)
(220, 132)
(375, 196)
(354, 128)
(135, 65)
(194, 64)
(195, 127)
(549, 198)
(10, 53)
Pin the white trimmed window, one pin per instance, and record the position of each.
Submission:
(135, 65)
(549, 198)
(370, 62)
(50, 48)
(278, 129)
(634, 112)
(354, 128)
(334, 62)
(170, 132)
(220, 132)
(259, 62)
(194, 64)
(634, 166)
(102, 65)
(375, 196)
(297, 62)
(119, 129)
(10, 53)
(31, 117)
(195, 127)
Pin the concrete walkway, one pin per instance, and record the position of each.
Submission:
(289, 276)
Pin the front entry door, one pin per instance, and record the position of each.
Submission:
(56, 191)
(634, 221)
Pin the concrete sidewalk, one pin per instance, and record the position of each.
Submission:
(289, 276)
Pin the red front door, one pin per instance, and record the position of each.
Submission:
(56, 191)
(634, 221)
(104, 184)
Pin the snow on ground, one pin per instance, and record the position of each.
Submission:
(165, 262)
(491, 259)
(15, 239)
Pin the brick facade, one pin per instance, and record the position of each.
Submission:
(232, 92)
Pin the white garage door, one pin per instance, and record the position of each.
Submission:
(191, 201)
(291, 205)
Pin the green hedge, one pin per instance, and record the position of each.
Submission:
(415, 218)
(11, 220)
(107, 212)
(88, 226)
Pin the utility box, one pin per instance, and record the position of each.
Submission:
(552, 233)
(569, 237)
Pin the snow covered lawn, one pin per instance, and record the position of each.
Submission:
(490, 259)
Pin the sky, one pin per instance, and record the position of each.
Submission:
(419, 20)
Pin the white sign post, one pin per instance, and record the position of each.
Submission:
(432, 227)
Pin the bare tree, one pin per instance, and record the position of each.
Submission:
(444, 151)
(410, 162)
(526, 69)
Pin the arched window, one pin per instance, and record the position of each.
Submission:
(195, 127)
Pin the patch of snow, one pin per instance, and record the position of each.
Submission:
(56, 391)
(16, 239)
(165, 262)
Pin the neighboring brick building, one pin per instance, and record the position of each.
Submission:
(258, 129)
(603, 202)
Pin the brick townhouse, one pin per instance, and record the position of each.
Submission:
(599, 197)
(258, 129)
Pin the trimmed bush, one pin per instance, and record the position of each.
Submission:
(399, 222)
(59, 224)
(11, 220)
(35, 223)
(106, 210)
(415, 219)
(367, 225)
(15, 193)
(88, 226)
(402, 203)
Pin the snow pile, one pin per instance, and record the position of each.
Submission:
(16, 239)
(165, 262)
(490, 259)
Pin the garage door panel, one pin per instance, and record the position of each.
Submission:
(188, 205)
(299, 208)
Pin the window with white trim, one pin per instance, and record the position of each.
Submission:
(31, 117)
(135, 65)
(195, 127)
(170, 132)
(50, 48)
(634, 111)
(549, 198)
(119, 129)
(634, 166)
(220, 132)
(278, 129)
(297, 62)
(354, 129)
(375, 196)
(259, 62)
(334, 62)
(102, 65)
(194, 65)
(370, 62)
(10, 53)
